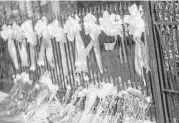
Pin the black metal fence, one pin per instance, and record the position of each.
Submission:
(118, 63)
(165, 19)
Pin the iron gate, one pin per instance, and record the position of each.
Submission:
(165, 29)
(157, 79)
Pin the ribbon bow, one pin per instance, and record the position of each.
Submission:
(93, 30)
(73, 28)
(136, 27)
(58, 33)
(27, 31)
(6, 34)
(41, 29)
(17, 35)
(29, 34)
(111, 26)
(135, 21)
(91, 27)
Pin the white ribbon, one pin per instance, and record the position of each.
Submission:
(111, 26)
(29, 34)
(136, 27)
(27, 31)
(73, 28)
(17, 35)
(41, 29)
(93, 30)
(58, 33)
(135, 21)
(6, 34)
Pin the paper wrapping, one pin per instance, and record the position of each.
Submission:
(110, 46)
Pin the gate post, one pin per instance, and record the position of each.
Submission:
(153, 60)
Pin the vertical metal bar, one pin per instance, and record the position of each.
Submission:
(91, 57)
(126, 43)
(157, 83)
(58, 62)
(55, 66)
(169, 77)
(175, 76)
(97, 18)
(37, 70)
(61, 67)
(67, 57)
(73, 60)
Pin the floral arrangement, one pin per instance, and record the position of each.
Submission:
(103, 105)
(26, 100)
